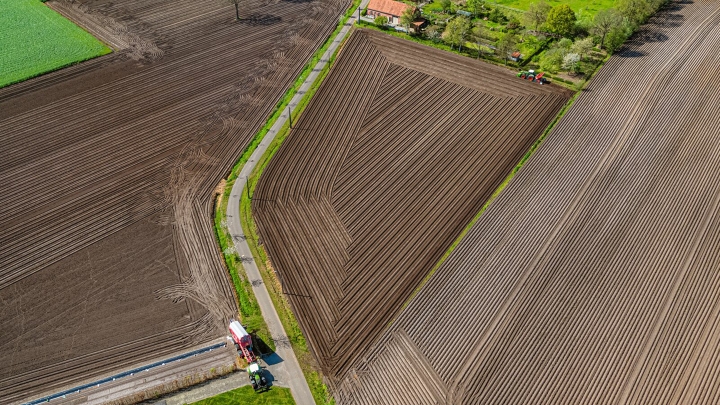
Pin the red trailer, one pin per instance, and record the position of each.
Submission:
(243, 341)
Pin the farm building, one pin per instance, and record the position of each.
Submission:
(388, 8)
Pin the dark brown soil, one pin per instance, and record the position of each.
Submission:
(107, 252)
(593, 278)
(400, 147)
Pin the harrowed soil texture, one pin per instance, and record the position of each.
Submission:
(593, 277)
(108, 170)
(399, 148)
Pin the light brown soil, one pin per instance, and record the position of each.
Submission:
(107, 252)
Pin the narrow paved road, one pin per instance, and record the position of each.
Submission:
(285, 369)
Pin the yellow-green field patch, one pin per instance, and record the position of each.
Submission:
(35, 39)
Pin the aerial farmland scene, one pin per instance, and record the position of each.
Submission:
(359, 202)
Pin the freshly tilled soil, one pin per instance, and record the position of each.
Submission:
(108, 257)
(593, 278)
(400, 147)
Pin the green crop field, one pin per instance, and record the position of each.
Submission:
(582, 8)
(34, 39)
(246, 396)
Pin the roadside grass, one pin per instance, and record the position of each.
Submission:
(35, 39)
(246, 395)
(247, 303)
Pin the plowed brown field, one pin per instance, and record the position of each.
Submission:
(399, 148)
(107, 171)
(593, 278)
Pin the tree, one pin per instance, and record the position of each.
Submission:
(561, 20)
(564, 44)
(617, 36)
(433, 33)
(536, 15)
(570, 62)
(446, 5)
(636, 10)
(237, 11)
(604, 21)
(582, 47)
(456, 32)
(478, 34)
(496, 16)
(507, 44)
(407, 18)
(552, 60)
(474, 6)
(380, 21)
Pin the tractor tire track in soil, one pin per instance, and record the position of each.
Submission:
(108, 257)
(399, 148)
(592, 278)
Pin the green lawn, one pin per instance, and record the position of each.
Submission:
(582, 8)
(246, 395)
(35, 39)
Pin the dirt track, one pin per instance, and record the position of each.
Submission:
(593, 278)
(107, 253)
(399, 148)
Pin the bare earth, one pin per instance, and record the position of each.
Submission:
(398, 150)
(593, 278)
(107, 170)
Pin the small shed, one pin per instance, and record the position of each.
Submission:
(516, 56)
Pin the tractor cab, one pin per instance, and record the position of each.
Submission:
(257, 379)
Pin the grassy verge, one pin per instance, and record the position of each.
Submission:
(35, 39)
(246, 395)
(246, 300)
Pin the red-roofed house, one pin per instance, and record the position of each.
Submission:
(389, 8)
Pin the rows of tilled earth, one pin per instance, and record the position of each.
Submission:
(593, 278)
(400, 147)
(108, 257)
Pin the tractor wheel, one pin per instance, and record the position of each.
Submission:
(522, 75)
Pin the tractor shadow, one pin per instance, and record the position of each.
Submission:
(272, 359)
(262, 346)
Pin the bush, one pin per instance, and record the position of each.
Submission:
(381, 21)
(617, 36)
(552, 60)
(497, 16)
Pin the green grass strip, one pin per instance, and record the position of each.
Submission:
(34, 39)
(247, 396)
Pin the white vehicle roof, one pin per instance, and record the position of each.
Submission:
(253, 368)
(237, 329)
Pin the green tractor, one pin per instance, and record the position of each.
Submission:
(533, 76)
(257, 379)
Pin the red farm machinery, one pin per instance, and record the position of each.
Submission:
(538, 77)
(244, 345)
